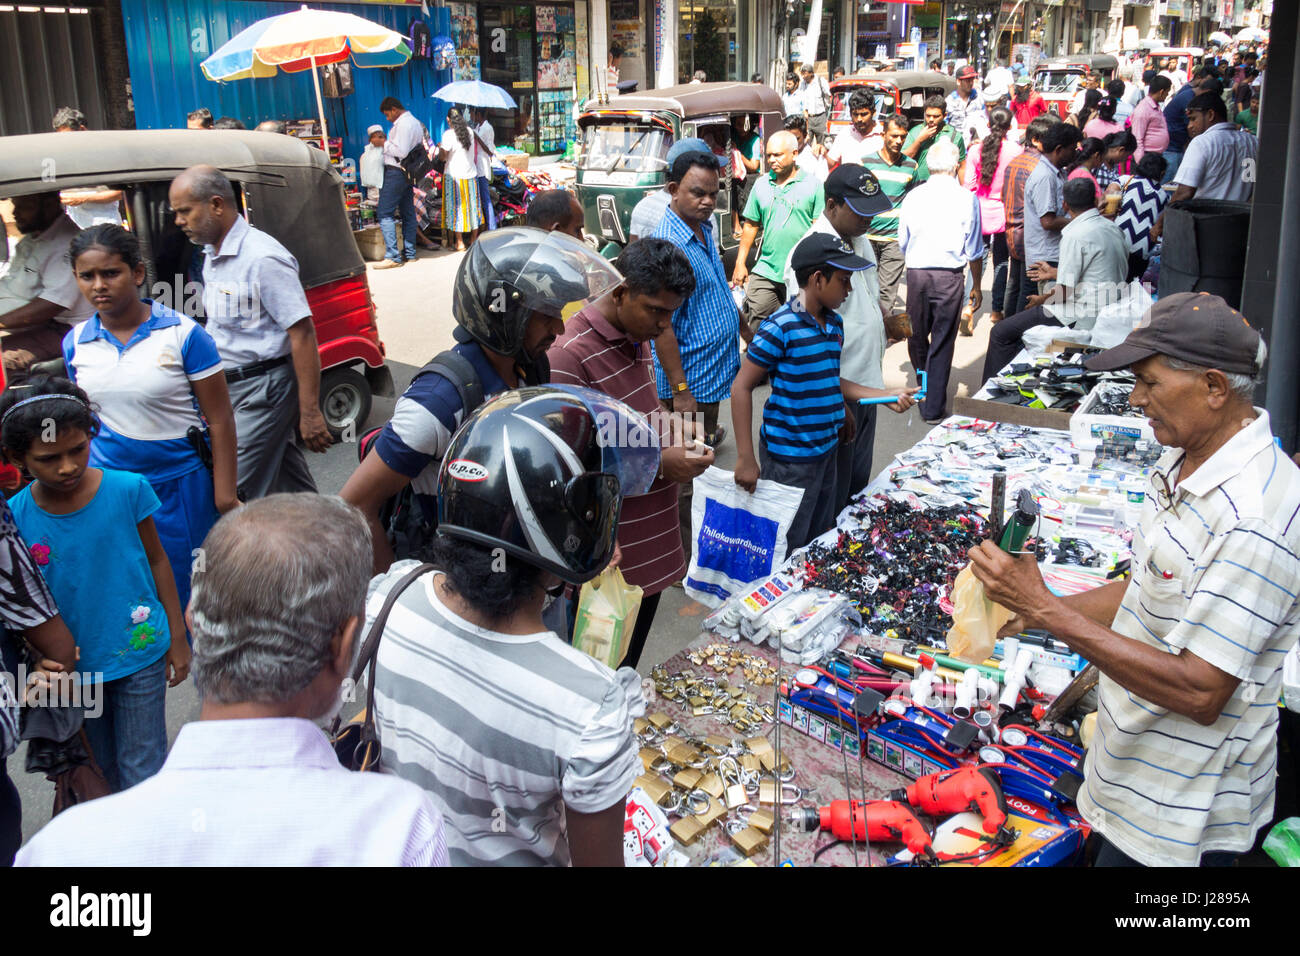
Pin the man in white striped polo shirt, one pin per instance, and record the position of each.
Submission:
(1182, 769)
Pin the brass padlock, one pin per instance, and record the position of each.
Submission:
(640, 725)
(717, 809)
(656, 789)
(768, 759)
(686, 830)
(762, 820)
(687, 779)
(649, 757)
(711, 784)
(759, 746)
(660, 720)
(749, 840)
(736, 796)
(750, 762)
(767, 791)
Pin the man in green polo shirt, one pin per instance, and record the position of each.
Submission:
(920, 139)
(783, 204)
(896, 175)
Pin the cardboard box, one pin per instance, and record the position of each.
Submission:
(1087, 431)
(516, 161)
(1011, 414)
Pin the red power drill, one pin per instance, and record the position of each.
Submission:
(884, 821)
(955, 791)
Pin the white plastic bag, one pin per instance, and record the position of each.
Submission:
(1115, 322)
(736, 537)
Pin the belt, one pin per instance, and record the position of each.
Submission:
(255, 368)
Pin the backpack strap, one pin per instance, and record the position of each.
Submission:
(458, 370)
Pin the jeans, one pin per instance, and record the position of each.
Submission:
(11, 818)
(1174, 157)
(396, 197)
(1001, 263)
(130, 737)
(1017, 287)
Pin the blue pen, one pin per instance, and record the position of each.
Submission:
(890, 399)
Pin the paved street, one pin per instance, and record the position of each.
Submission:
(415, 322)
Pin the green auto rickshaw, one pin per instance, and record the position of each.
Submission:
(625, 145)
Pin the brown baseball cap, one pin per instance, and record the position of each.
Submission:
(1193, 327)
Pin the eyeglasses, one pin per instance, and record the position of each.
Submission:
(1165, 494)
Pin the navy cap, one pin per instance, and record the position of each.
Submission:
(820, 248)
(858, 187)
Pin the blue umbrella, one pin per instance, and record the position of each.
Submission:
(476, 93)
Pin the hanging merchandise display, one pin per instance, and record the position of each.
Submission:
(464, 32)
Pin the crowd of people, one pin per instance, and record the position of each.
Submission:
(491, 494)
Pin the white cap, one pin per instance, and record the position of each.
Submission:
(374, 129)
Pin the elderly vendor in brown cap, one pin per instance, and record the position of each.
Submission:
(1181, 769)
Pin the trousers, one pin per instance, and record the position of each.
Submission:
(934, 299)
(396, 197)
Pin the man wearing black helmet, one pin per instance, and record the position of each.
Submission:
(507, 300)
(523, 742)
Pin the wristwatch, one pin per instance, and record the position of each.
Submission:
(680, 387)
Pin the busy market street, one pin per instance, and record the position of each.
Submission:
(651, 434)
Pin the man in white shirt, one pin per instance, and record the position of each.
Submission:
(259, 318)
(86, 207)
(998, 82)
(792, 99)
(39, 296)
(397, 196)
(853, 198)
(816, 97)
(865, 138)
(1220, 158)
(1090, 275)
(372, 163)
(254, 781)
(809, 159)
(939, 231)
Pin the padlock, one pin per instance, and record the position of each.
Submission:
(687, 779)
(640, 725)
(649, 757)
(759, 746)
(686, 830)
(662, 721)
(749, 840)
(716, 810)
(711, 784)
(735, 796)
(654, 786)
(751, 763)
(762, 820)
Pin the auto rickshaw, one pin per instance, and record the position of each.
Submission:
(625, 145)
(895, 91)
(1186, 59)
(1058, 79)
(285, 187)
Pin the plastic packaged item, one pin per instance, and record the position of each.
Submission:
(1283, 842)
(975, 619)
(807, 625)
(607, 609)
(740, 615)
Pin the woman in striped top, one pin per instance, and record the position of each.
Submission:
(1141, 206)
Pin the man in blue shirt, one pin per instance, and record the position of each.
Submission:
(804, 419)
(696, 360)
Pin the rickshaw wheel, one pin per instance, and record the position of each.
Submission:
(344, 400)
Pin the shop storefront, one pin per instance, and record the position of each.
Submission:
(710, 38)
(927, 22)
(971, 32)
(531, 50)
(872, 39)
(828, 36)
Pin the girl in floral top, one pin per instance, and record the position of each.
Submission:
(91, 534)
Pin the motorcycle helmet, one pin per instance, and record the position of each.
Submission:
(542, 473)
(508, 274)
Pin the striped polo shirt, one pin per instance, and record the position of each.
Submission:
(1216, 574)
(594, 354)
(503, 730)
(895, 179)
(708, 322)
(803, 415)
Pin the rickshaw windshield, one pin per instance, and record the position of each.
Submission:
(1057, 81)
(840, 104)
(634, 148)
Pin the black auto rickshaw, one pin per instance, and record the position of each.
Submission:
(625, 145)
(286, 187)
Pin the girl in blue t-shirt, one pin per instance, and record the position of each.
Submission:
(92, 536)
(155, 378)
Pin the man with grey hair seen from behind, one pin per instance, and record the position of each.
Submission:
(277, 604)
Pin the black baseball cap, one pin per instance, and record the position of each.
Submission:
(858, 187)
(1193, 327)
(821, 248)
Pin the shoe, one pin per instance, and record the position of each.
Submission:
(718, 437)
(935, 421)
(967, 325)
(387, 264)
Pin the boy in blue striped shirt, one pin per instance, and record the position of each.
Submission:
(804, 417)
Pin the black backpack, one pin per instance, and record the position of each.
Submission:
(410, 531)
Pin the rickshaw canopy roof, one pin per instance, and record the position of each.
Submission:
(901, 79)
(691, 100)
(1094, 61)
(292, 190)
